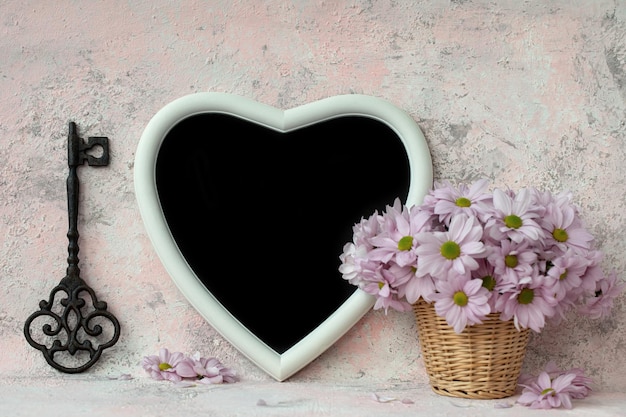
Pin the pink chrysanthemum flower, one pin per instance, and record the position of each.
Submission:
(594, 272)
(581, 385)
(396, 240)
(213, 372)
(514, 217)
(355, 264)
(546, 393)
(444, 254)
(409, 286)
(606, 291)
(566, 272)
(382, 286)
(528, 304)
(422, 286)
(542, 392)
(462, 302)
(486, 274)
(366, 229)
(511, 262)
(563, 227)
(349, 267)
(354, 259)
(208, 370)
(402, 274)
(167, 366)
(450, 201)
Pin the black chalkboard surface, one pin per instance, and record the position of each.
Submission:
(261, 216)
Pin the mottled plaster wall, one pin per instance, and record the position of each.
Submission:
(524, 93)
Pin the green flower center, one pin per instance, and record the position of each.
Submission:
(560, 235)
(381, 285)
(405, 243)
(460, 298)
(511, 261)
(164, 366)
(512, 221)
(463, 202)
(563, 275)
(450, 250)
(548, 391)
(526, 296)
(489, 282)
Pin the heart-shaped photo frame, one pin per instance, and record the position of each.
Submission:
(248, 208)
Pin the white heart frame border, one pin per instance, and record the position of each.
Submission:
(279, 366)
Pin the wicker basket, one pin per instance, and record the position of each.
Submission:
(483, 362)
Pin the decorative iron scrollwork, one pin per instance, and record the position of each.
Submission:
(73, 327)
(75, 322)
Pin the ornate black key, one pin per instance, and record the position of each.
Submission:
(73, 320)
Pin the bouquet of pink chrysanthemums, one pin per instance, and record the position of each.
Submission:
(525, 255)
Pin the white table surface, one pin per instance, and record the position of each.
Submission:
(75, 395)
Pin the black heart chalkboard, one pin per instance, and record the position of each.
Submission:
(261, 216)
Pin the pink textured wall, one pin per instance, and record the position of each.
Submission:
(525, 93)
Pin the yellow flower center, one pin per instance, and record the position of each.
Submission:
(405, 243)
(512, 221)
(526, 296)
(460, 298)
(450, 250)
(511, 261)
(489, 282)
(463, 202)
(548, 391)
(560, 235)
(164, 366)
(563, 275)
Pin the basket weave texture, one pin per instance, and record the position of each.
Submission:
(483, 362)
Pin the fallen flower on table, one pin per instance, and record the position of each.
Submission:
(164, 366)
(554, 388)
(209, 370)
(177, 367)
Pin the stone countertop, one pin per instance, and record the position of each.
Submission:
(140, 396)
